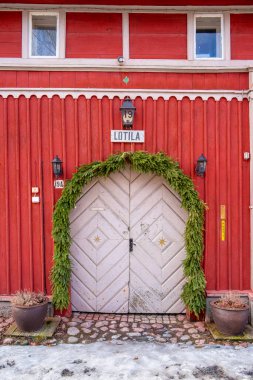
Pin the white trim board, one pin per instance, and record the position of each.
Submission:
(251, 171)
(125, 36)
(251, 188)
(127, 8)
(138, 65)
(122, 93)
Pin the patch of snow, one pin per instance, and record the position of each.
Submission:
(129, 360)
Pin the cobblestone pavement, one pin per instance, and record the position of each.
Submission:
(87, 328)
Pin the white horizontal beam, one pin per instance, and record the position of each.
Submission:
(128, 8)
(122, 93)
(140, 65)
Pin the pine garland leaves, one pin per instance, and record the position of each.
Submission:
(193, 294)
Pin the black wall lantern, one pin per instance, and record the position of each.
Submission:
(127, 113)
(57, 166)
(201, 166)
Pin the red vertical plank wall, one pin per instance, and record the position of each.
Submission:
(10, 34)
(158, 36)
(93, 35)
(33, 131)
(241, 26)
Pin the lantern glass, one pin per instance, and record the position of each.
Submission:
(201, 166)
(127, 117)
(57, 166)
(127, 113)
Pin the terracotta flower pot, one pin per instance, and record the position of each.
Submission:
(30, 318)
(230, 321)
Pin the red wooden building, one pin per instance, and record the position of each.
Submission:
(65, 68)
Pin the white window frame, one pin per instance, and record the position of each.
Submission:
(31, 14)
(207, 15)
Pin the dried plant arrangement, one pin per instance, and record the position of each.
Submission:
(231, 301)
(28, 298)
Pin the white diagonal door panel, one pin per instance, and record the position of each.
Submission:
(106, 277)
(157, 224)
(100, 246)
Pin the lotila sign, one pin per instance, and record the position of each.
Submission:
(127, 136)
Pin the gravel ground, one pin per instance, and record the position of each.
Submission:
(90, 328)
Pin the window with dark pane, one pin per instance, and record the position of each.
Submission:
(44, 33)
(208, 37)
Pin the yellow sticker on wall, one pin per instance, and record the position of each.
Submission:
(223, 230)
(223, 212)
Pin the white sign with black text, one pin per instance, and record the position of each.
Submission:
(59, 184)
(127, 136)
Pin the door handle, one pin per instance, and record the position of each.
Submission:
(131, 245)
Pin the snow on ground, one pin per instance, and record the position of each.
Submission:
(105, 360)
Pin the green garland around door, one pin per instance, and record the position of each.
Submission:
(193, 294)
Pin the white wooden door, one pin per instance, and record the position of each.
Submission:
(100, 247)
(106, 276)
(157, 224)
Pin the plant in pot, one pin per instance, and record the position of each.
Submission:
(29, 310)
(230, 314)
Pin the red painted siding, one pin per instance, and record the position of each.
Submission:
(93, 35)
(78, 79)
(10, 34)
(241, 36)
(33, 130)
(158, 36)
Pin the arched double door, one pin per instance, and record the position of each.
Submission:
(127, 246)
